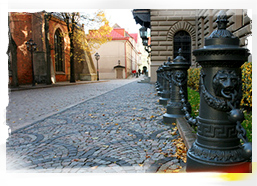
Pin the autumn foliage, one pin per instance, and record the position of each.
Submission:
(97, 37)
(247, 84)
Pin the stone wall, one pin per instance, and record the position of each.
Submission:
(199, 23)
(164, 24)
(239, 24)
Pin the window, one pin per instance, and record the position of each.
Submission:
(182, 40)
(58, 46)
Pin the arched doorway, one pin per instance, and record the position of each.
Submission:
(182, 40)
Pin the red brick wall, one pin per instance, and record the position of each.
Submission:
(21, 29)
(20, 26)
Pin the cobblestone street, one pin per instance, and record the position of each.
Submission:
(118, 129)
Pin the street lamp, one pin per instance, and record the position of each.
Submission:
(32, 47)
(97, 57)
(143, 32)
(143, 35)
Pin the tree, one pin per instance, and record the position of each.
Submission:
(71, 20)
(96, 38)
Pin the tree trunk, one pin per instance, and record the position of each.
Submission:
(48, 55)
(72, 66)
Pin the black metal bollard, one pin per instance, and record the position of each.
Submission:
(160, 90)
(165, 95)
(157, 84)
(218, 146)
(178, 78)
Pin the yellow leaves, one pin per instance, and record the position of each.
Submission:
(181, 150)
(174, 132)
(175, 171)
(93, 168)
(147, 156)
(247, 84)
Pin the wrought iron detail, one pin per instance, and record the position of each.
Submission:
(179, 78)
(226, 83)
(217, 155)
(222, 25)
(217, 131)
(212, 101)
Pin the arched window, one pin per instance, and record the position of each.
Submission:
(59, 54)
(182, 40)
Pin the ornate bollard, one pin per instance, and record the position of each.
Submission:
(218, 146)
(157, 84)
(160, 90)
(165, 95)
(178, 79)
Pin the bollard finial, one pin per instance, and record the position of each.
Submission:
(222, 20)
(221, 32)
(180, 52)
(179, 58)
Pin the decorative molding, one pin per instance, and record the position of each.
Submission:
(181, 25)
(219, 103)
(217, 131)
(178, 78)
(212, 101)
(220, 156)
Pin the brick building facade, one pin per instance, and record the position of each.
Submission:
(51, 37)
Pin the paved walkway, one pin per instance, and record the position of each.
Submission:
(31, 104)
(120, 131)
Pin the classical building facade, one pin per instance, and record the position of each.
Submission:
(172, 29)
(120, 56)
(51, 60)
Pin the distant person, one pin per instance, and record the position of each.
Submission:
(139, 71)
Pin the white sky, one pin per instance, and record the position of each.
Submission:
(122, 17)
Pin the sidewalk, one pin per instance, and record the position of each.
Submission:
(65, 83)
(57, 84)
(120, 131)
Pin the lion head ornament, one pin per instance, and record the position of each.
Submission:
(227, 84)
(180, 75)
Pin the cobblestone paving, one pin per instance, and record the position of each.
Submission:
(120, 131)
(28, 106)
